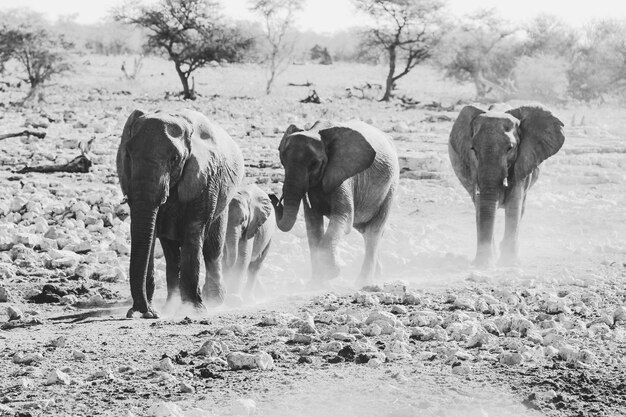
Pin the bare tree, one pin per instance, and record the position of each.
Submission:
(40, 54)
(407, 30)
(483, 50)
(189, 32)
(278, 18)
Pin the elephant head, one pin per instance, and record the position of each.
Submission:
(155, 158)
(493, 151)
(323, 156)
(247, 212)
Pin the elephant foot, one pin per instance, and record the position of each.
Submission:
(483, 262)
(149, 313)
(234, 300)
(213, 294)
(508, 261)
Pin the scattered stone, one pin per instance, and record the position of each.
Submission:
(58, 377)
(212, 348)
(58, 342)
(186, 388)
(343, 337)
(20, 358)
(14, 313)
(305, 339)
(165, 409)
(165, 365)
(240, 360)
(305, 359)
(374, 363)
(77, 355)
(619, 314)
(510, 359)
(244, 407)
(399, 310)
(459, 368)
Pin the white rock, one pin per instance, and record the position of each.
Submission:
(479, 339)
(5, 296)
(243, 407)
(58, 377)
(14, 313)
(186, 388)
(212, 348)
(462, 369)
(333, 346)
(165, 409)
(165, 365)
(58, 342)
(27, 359)
(381, 316)
(240, 360)
(619, 314)
(69, 299)
(508, 358)
(372, 330)
(374, 363)
(77, 355)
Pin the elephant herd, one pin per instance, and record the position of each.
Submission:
(182, 176)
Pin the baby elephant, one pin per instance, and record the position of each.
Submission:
(496, 155)
(251, 224)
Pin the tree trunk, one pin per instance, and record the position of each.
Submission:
(188, 93)
(392, 70)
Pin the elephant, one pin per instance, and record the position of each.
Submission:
(347, 172)
(496, 155)
(178, 171)
(250, 227)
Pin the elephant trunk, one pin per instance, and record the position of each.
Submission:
(286, 216)
(232, 241)
(486, 207)
(143, 220)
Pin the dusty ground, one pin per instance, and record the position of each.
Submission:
(434, 338)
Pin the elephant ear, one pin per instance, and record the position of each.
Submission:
(290, 130)
(459, 144)
(122, 162)
(260, 210)
(541, 136)
(348, 151)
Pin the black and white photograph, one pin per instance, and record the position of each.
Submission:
(316, 208)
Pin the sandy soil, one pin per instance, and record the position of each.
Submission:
(434, 338)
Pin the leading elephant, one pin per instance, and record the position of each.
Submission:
(496, 155)
(178, 172)
(347, 172)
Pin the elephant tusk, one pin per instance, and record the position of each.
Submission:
(124, 200)
(505, 182)
(281, 199)
(477, 190)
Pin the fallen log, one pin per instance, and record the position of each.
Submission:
(80, 164)
(306, 84)
(37, 133)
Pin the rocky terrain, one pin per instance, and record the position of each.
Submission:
(434, 338)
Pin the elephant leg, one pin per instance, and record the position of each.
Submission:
(171, 251)
(253, 271)
(314, 221)
(513, 214)
(372, 234)
(213, 291)
(239, 270)
(190, 258)
(150, 277)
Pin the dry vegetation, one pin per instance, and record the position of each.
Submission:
(436, 338)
